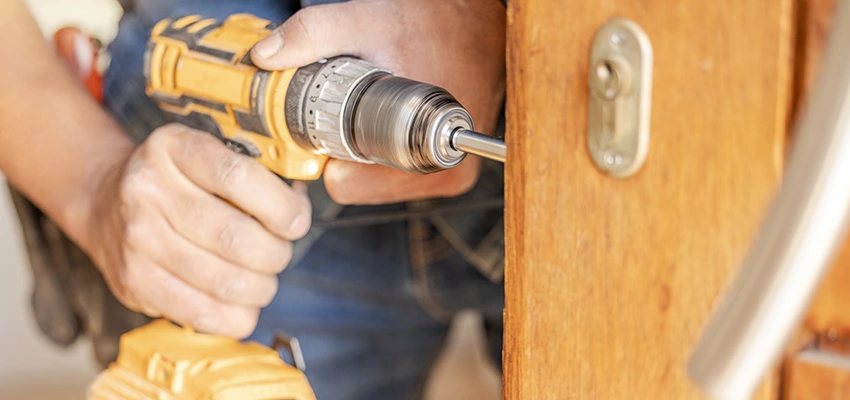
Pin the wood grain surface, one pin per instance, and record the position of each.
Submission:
(821, 372)
(609, 282)
(817, 375)
(829, 313)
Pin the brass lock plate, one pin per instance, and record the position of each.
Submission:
(619, 98)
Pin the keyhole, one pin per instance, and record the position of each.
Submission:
(604, 70)
(609, 79)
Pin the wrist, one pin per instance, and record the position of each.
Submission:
(82, 214)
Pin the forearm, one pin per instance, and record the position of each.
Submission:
(57, 142)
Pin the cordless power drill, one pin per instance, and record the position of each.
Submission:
(199, 72)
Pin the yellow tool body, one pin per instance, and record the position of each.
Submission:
(161, 361)
(199, 72)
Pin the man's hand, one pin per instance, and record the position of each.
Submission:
(458, 45)
(181, 226)
(189, 230)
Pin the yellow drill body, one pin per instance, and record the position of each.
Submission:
(199, 73)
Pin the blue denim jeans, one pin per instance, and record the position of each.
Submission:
(370, 304)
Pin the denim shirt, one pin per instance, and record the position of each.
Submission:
(476, 232)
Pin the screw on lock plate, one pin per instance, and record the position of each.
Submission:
(620, 83)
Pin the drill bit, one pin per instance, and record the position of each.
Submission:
(479, 144)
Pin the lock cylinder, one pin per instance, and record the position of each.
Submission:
(610, 78)
(619, 96)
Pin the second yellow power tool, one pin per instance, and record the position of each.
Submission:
(200, 73)
(161, 361)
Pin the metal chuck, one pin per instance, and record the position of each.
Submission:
(416, 127)
(350, 110)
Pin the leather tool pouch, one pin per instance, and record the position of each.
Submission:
(69, 295)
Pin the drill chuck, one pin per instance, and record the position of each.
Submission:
(351, 110)
(408, 125)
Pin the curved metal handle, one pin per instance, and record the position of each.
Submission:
(796, 242)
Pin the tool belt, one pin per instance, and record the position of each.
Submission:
(69, 296)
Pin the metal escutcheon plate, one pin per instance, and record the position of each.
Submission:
(620, 93)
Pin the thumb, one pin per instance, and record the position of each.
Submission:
(314, 33)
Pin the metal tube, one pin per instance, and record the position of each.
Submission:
(479, 144)
(796, 242)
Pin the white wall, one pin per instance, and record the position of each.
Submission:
(31, 367)
(96, 17)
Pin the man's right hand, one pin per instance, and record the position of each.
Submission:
(189, 230)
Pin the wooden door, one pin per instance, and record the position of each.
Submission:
(818, 364)
(610, 281)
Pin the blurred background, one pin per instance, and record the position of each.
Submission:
(32, 368)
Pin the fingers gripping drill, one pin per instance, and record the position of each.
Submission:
(199, 72)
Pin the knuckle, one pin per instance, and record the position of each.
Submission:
(129, 192)
(137, 232)
(274, 258)
(123, 290)
(245, 323)
(238, 323)
(342, 195)
(171, 129)
(268, 297)
(228, 286)
(161, 138)
(132, 279)
(339, 191)
(339, 182)
(150, 311)
(171, 140)
(304, 20)
(230, 239)
(285, 215)
(283, 218)
(300, 225)
(119, 289)
(231, 170)
(140, 182)
(285, 256)
(145, 155)
(194, 211)
(191, 140)
(204, 320)
(135, 174)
